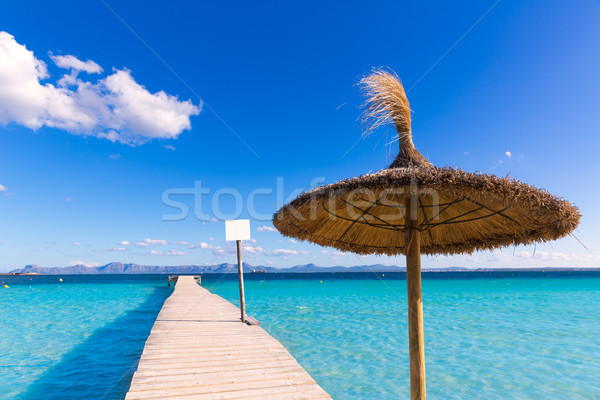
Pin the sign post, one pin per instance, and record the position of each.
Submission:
(239, 230)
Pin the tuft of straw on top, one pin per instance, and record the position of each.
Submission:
(387, 104)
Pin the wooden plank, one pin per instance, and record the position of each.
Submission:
(215, 361)
(252, 321)
(203, 368)
(170, 374)
(154, 365)
(199, 348)
(236, 391)
(217, 379)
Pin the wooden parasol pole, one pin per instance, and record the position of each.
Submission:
(241, 280)
(416, 342)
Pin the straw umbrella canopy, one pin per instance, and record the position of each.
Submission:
(413, 207)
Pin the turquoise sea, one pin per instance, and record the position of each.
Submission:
(489, 335)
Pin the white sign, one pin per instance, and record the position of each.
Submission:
(237, 229)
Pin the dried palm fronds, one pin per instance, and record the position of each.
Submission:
(458, 212)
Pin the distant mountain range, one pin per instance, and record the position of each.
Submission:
(129, 268)
(123, 268)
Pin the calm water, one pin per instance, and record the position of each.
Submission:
(488, 335)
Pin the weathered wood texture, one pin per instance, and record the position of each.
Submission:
(416, 342)
(199, 349)
(241, 280)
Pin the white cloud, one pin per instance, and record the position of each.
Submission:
(526, 258)
(116, 107)
(554, 256)
(154, 242)
(249, 249)
(266, 229)
(202, 245)
(2, 188)
(76, 244)
(141, 115)
(211, 239)
(323, 251)
(171, 252)
(292, 241)
(117, 249)
(508, 154)
(283, 252)
(180, 242)
(252, 249)
(231, 250)
(114, 156)
(71, 62)
(169, 147)
(123, 243)
(22, 98)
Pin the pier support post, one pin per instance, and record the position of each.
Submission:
(416, 341)
(241, 280)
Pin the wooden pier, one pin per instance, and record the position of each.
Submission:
(200, 349)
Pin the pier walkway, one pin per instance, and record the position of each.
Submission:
(200, 349)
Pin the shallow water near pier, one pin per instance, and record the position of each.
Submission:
(497, 335)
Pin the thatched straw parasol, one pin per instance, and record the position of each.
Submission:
(413, 207)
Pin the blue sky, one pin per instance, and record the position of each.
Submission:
(87, 153)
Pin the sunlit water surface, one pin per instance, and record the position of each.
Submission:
(487, 335)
